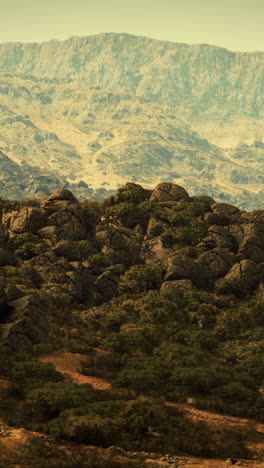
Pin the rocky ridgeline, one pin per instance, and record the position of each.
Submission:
(61, 252)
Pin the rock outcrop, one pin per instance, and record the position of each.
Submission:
(53, 255)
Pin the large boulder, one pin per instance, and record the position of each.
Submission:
(60, 195)
(47, 264)
(218, 261)
(219, 236)
(27, 219)
(165, 191)
(183, 267)
(152, 249)
(28, 324)
(252, 243)
(65, 218)
(107, 283)
(250, 240)
(154, 227)
(70, 222)
(65, 249)
(256, 216)
(51, 234)
(120, 243)
(79, 282)
(243, 278)
(230, 212)
(217, 219)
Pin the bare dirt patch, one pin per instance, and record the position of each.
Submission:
(69, 364)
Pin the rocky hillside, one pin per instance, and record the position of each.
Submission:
(218, 91)
(93, 140)
(159, 298)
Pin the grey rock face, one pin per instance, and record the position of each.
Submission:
(164, 192)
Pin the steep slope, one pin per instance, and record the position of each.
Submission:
(133, 325)
(219, 91)
(23, 181)
(100, 138)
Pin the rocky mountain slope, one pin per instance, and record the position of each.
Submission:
(219, 91)
(159, 296)
(93, 140)
(23, 181)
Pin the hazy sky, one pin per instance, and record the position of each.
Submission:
(235, 24)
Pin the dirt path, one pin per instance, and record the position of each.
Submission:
(69, 364)
(217, 418)
(256, 445)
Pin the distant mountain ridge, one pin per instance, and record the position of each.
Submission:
(93, 140)
(218, 91)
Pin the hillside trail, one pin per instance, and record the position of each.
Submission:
(216, 418)
(255, 430)
(69, 364)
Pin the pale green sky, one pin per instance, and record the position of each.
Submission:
(235, 24)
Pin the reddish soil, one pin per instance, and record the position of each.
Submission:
(69, 364)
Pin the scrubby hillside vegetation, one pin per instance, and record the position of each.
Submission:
(159, 296)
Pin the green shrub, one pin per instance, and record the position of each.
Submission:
(143, 413)
(26, 276)
(144, 374)
(130, 192)
(59, 296)
(141, 278)
(48, 401)
(92, 212)
(35, 370)
(28, 245)
(92, 430)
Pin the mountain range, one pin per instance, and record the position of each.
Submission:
(92, 112)
(210, 87)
